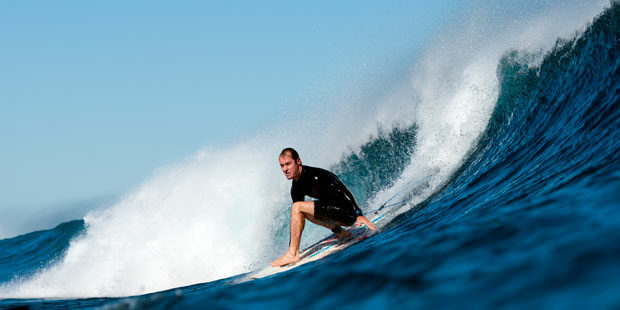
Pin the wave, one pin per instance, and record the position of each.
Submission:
(24, 255)
(473, 118)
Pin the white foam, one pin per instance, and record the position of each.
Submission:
(197, 221)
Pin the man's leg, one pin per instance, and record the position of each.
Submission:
(343, 234)
(299, 211)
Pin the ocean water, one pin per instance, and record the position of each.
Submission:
(509, 172)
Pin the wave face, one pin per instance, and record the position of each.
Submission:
(510, 171)
(26, 254)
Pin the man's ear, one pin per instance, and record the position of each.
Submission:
(298, 161)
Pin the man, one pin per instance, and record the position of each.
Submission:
(335, 205)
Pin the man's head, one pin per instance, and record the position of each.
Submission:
(290, 163)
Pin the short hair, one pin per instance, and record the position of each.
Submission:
(289, 151)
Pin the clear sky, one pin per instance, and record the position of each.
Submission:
(95, 95)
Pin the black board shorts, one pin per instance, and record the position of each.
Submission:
(338, 213)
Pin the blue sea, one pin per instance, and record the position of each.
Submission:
(509, 200)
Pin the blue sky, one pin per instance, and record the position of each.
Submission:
(95, 95)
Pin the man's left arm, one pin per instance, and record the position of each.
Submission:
(361, 219)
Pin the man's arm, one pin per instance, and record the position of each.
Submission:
(347, 193)
(339, 185)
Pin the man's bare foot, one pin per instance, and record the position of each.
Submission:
(286, 259)
(343, 234)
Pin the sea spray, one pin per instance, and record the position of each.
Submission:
(197, 221)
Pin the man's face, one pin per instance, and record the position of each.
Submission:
(289, 167)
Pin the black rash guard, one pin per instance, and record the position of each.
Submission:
(335, 202)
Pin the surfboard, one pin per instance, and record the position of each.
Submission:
(322, 248)
(331, 244)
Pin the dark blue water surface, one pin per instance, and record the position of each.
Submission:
(531, 219)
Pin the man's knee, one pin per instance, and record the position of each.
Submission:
(301, 207)
(296, 208)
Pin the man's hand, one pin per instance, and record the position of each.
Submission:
(361, 220)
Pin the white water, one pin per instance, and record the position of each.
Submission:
(215, 214)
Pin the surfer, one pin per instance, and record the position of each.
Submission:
(335, 205)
